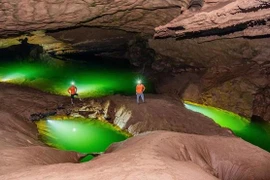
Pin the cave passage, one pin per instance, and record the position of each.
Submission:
(257, 133)
(92, 79)
(80, 135)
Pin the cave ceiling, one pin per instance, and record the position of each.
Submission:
(81, 25)
(101, 27)
(162, 18)
(133, 16)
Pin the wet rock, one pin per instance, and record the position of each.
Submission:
(95, 109)
(39, 116)
(122, 116)
(93, 115)
(76, 115)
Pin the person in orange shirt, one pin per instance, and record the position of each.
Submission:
(140, 88)
(72, 90)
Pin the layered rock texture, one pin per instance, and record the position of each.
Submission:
(225, 43)
(182, 156)
(240, 18)
(230, 46)
(29, 15)
(138, 16)
(214, 52)
(204, 151)
(229, 72)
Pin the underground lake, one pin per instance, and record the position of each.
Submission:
(97, 79)
(257, 133)
(93, 79)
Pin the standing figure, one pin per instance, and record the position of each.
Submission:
(140, 88)
(72, 90)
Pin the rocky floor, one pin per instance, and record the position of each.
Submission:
(198, 149)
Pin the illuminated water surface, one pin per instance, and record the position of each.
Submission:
(80, 135)
(257, 133)
(92, 79)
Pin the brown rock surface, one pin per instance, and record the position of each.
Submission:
(231, 55)
(159, 155)
(250, 17)
(138, 16)
(20, 146)
(229, 71)
(261, 104)
(161, 113)
(164, 155)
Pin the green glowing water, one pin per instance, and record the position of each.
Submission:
(92, 80)
(80, 135)
(257, 133)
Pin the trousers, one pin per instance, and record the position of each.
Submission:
(140, 95)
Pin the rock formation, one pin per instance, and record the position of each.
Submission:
(224, 42)
(214, 52)
(138, 16)
(209, 152)
(240, 18)
(229, 42)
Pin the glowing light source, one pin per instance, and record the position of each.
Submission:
(139, 81)
(5, 79)
(13, 77)
(72, 83)
(49, 121)
(74, 129)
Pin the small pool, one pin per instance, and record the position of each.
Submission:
(80, 135)
(257, 133)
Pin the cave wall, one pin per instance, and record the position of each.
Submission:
(226, 43)
(230, 72)
(223, 43)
